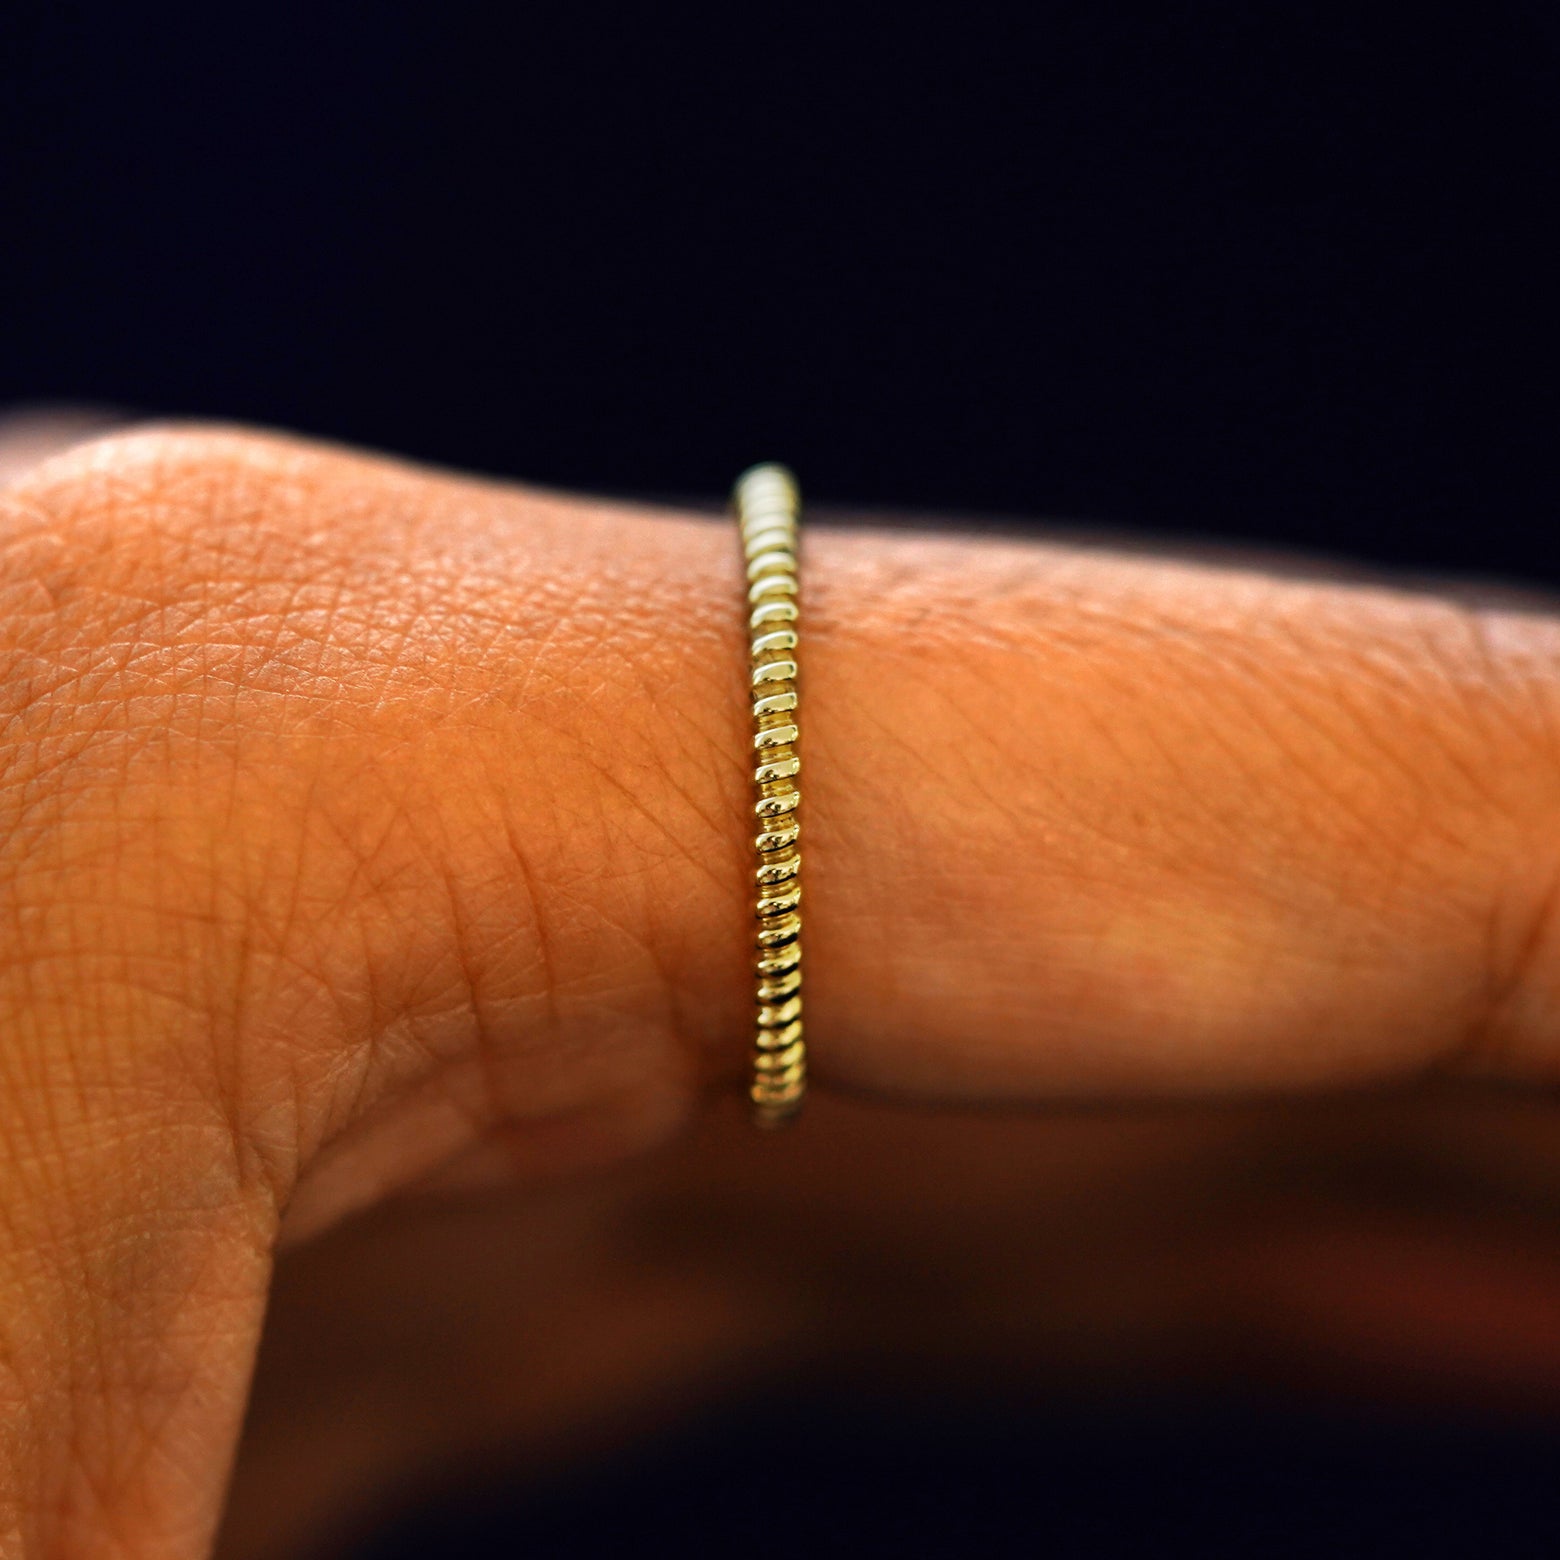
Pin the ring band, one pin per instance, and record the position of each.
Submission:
(768, 506)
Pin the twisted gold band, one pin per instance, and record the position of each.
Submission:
(768, 508)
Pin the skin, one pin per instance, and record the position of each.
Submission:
(371, 832)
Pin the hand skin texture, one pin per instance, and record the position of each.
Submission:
(370, 829)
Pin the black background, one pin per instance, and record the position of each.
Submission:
(1279, 274)
(1263, 272)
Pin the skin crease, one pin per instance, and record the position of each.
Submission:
(371, 829)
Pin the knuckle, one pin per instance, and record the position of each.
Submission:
(319, 778)
(127, 905)
(112, 566)
(1437, 811)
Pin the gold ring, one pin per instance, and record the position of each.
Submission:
(768, 508)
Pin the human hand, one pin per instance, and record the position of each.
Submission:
(370, 829)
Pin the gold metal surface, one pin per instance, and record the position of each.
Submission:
(768, 506)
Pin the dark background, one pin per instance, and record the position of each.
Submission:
(1272, 274)
(1246, 271)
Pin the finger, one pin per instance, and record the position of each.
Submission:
(1088, 825)
(1076, 822)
